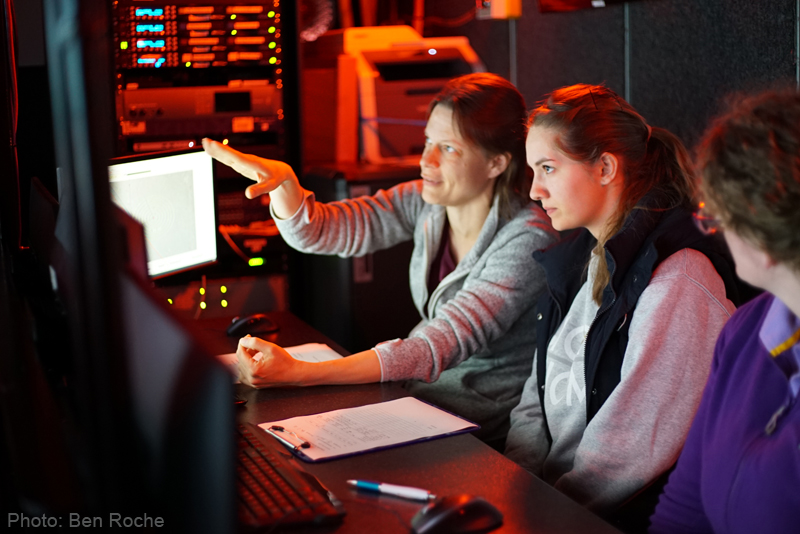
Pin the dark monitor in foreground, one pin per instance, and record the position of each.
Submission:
(180, 397)
(173, 197)
(182, 406)
(146, 413)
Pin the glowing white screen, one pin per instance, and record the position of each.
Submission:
(173, 197)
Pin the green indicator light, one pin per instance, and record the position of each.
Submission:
(255, 262)
(273, 60)
(188, 63)
(123, 45)
(233, 17)
(271, 14)
(202, 291)
(271, 29)
(224, 303)
(233, 32)
(169, 300)
(202, 305)
(223, 289)
(272, 45)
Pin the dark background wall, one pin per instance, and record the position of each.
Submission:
(674, 60)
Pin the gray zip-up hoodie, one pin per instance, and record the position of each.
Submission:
(473, 349)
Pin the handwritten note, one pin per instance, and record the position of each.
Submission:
(385, 424)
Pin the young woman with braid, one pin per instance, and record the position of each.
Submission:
(637, 296)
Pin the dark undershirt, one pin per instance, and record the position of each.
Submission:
(443, 264)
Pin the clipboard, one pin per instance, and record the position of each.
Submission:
(361, 429)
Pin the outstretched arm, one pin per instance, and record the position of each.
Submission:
(273, 177)
(350, 227)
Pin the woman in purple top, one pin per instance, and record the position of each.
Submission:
(740, 468)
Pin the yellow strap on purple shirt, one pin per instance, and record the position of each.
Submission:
(786, 345)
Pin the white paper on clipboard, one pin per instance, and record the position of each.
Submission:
(364, 428)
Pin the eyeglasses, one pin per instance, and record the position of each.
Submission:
(706, 223)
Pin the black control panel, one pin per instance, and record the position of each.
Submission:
(188, 69)
(224, 69)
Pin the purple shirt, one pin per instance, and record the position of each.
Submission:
(780, 334)
(739, 471)
(443, 264)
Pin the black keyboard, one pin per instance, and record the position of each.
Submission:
(272, 492)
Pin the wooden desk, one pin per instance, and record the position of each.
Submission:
(447, 466)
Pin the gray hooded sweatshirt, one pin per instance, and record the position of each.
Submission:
(473, 348)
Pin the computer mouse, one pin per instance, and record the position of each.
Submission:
(257, 323)
(458, 514)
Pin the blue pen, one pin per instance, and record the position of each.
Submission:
(405, 492)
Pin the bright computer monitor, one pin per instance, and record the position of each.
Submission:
(173, 197)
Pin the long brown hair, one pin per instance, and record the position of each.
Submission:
(490, 113)
(590, 120)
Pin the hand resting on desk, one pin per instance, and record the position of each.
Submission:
(263, 364)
